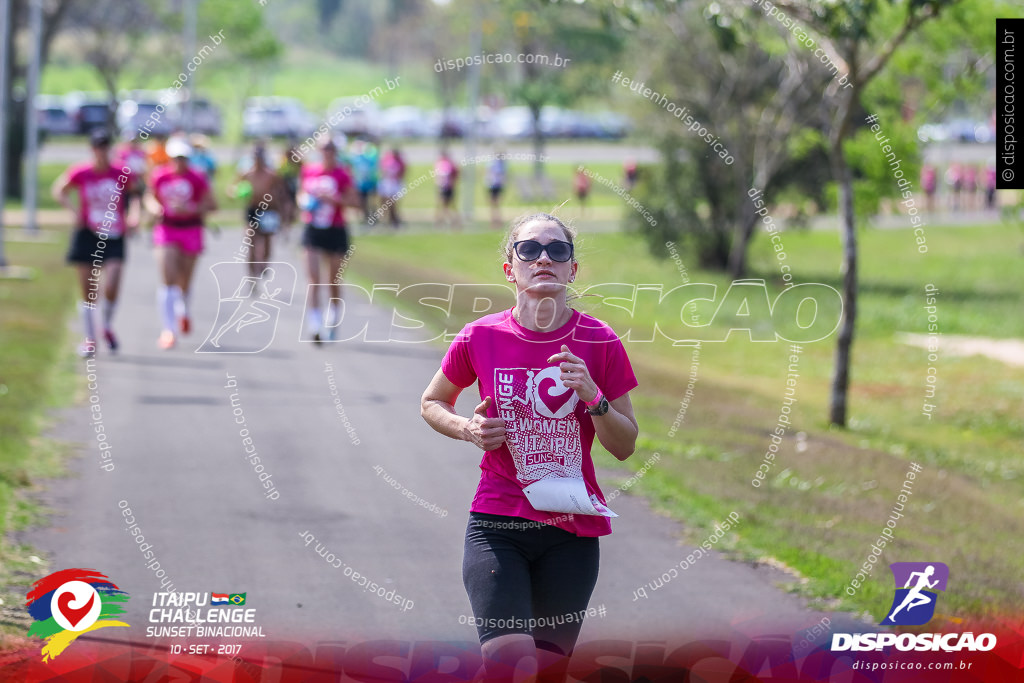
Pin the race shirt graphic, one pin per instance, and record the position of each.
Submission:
(97, 190)
(176, 195)
(96, 196)
(542, 430)
(322, 213)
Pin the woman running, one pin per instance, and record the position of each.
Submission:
(447, 175)
(97, 246)
(497, 174)
(392, 184)
(581, 183)
(550, 379)
(181, 197)
(325, 191)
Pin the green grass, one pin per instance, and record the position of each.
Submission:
(828, 494)
(37, 375)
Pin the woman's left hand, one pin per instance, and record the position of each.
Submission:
(575, 374)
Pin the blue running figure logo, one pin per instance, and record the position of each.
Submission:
(914, 603)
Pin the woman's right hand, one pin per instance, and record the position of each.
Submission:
(487, 433)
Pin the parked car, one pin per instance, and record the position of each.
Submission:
(149, 115)
(556, 122)
(353, 116)
(613, 125)
(276, 117)
(513, 123)
(932, 132)
(206, 116)
(91, 111)
(957, 130)
(53, 117)
(404, 122)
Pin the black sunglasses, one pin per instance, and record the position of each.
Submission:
(530, 250)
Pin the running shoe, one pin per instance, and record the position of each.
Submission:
(111, 340)
(87, 349)
(166, 341)
(186, 324)
(316, 339)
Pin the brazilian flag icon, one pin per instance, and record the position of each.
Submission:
(237, 598)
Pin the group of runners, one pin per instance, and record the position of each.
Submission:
(171, 184)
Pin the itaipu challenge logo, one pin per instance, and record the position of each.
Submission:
(69, 603)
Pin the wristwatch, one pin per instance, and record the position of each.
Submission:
(599, 406)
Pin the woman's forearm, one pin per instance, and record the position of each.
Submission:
(443, 419)
(617, 433)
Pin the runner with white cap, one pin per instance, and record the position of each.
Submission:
(181, 197)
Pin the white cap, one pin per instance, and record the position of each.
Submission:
(176, 147)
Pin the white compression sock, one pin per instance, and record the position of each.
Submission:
(180, 304)
(87, 320)
(332, 315)
(108, 309)
(165, 305)
(313, 319)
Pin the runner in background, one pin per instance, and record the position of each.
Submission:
(130, 154)
(447, 175)
(629, 172)
(971, 187)
(364, 157)
(202, 158)
(326, 189)
(497, 176)
(392, 184)
(97, 245)
(156, 152)
(955, 181)
(930, 183)
(181, 197)
(990, 187)
(550, 379)
(290, 171)
(581, 184)
(254, 185)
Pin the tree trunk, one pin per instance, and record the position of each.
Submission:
(741, 240)
(17, 110)
(844, 342)
(13, 172)
(538, 148)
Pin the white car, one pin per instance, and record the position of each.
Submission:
(353, 116)
(403, 122)
(276, 117)
(206, 118)
(138, 114)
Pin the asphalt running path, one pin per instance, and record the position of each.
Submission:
(180, 466)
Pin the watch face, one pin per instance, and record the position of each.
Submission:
(601, 408)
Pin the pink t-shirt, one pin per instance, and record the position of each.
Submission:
(319, 183)
(135, 161)
(446, 173)
(180, 194)
(547, 425)
(96, 191)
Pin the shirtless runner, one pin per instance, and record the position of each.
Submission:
(269, 205)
